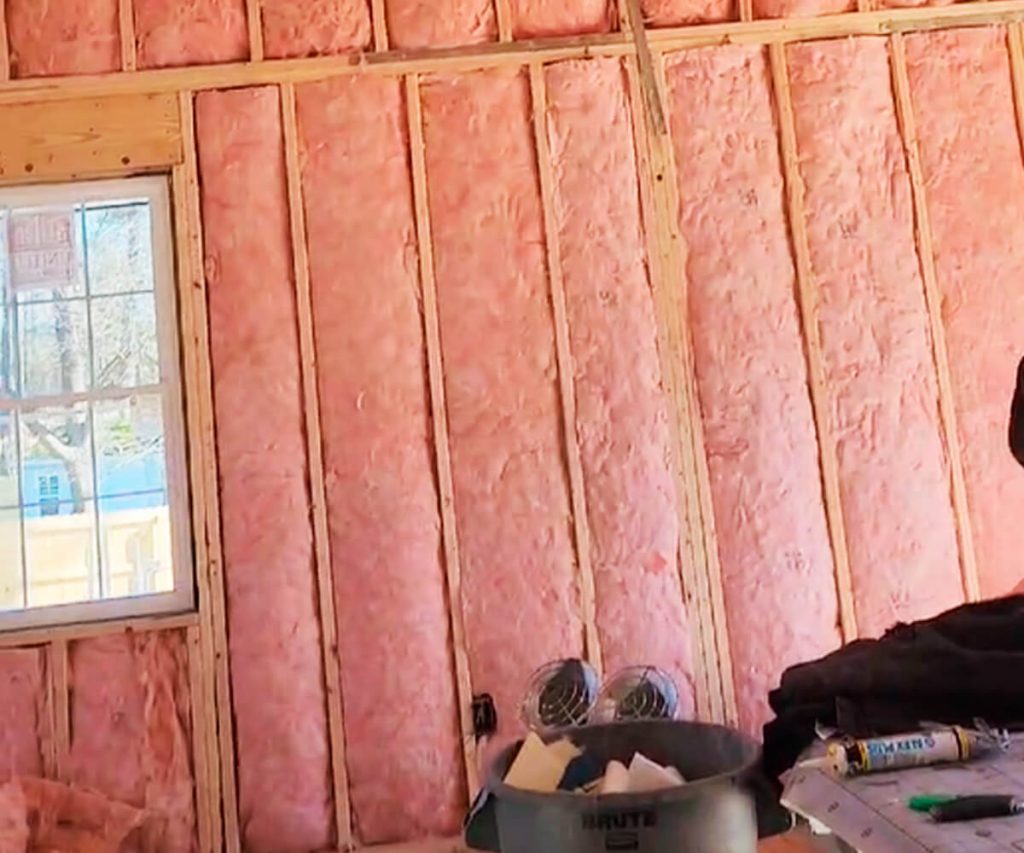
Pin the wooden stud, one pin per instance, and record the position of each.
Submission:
(318, 489)
(204, 773)
(1015, 44)
(126, 28)
(566, 370)
(645, 63)
(746, 9)
(199, 406)
(254, 19)
(5, 51)
(503, 12)
(60, 705)
(933, 300)
(691, 556)
(380, 25)
(505, 54)
(439, 412)
(808, 300)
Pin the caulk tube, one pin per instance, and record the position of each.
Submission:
(914, 749)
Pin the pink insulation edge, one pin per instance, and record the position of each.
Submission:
(801, 8)
(622, 418)
(760, 436)
(24, 715)
(677, 13)
(971, 157)
(541, 18)
(295, 28)
(274, 634)
(130, 727)
(71, 37)
(440, 23)
(403, 748)
(190, 32)
(511, 494)
(879, 366)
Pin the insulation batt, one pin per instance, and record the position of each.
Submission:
(190, 32)
(879, 366)
(801, 8)
(511, 495)
(24, 715)
(70, 37)
(274, 634)
(622, 421)
(130, 730)
(759, 429)
(540, 18)
(293, 28)
(440, 23)
(672, 13)
(970, 153)
(403, 749)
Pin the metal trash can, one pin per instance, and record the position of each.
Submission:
(713, 813)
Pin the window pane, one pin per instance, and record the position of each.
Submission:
(124, 341)
(136, 537)
(8, 385)
(56, 443)
(11, 584)
(8, 461)
(120, 248)
(130, 448)
(53, 347)
(60, 552)
(43, 247)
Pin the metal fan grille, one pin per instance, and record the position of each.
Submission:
(638, 693)
(561, 694)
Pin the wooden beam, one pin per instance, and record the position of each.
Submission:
(471, 57)
(254, 22)
(645, 63)
(663, 257)
(60, 705)
(503, 12)
(566, 370)
(821, 402)
(1015, 44)
(203, 453)
(204, 772)
(746, 9)
(380, 25)
(5, 51)
(439, 412)
(85, 630)
(126, 32)
(318, 489)
(933, 300)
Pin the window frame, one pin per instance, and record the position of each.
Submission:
(157, 191)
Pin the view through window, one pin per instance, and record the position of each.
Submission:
(93, 494)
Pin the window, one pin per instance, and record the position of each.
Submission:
(94, 513)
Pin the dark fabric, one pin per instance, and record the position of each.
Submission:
(1017, 417)
(966, 663)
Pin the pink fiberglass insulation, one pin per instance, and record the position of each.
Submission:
(24, 722)
(190, 32)
(71, 37)
(274, 632)
(622, 419)
(801, 8)
(879, 367)
(401, 716)
(675, 13)
(511, 496)
(759, 429)
(294, 28)
(130, 730)
(440, 23)
(540, 18)
(970, 152)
